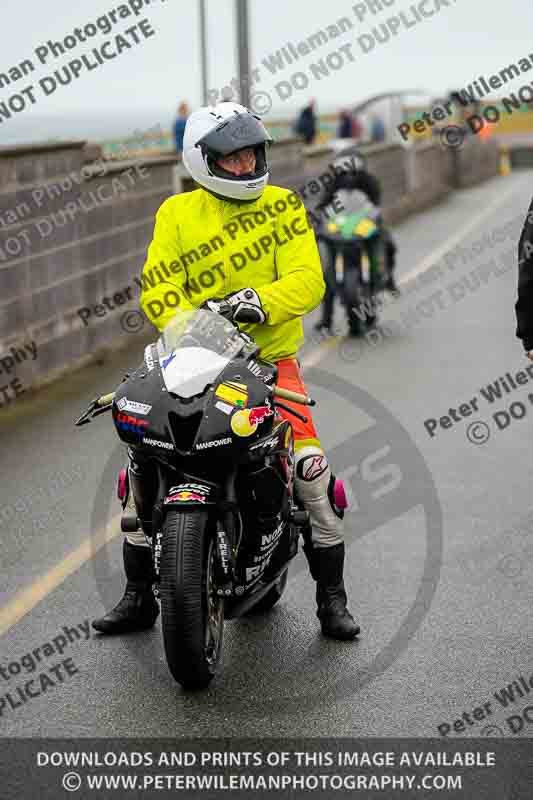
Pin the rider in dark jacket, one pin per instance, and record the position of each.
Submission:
(358, 179)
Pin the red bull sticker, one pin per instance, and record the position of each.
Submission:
(245, 421)
(186, 497)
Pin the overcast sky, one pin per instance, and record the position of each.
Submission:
(460, 42)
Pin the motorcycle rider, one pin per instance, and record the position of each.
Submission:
(356, 179)
(237, 238)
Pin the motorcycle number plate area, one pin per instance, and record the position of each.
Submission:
(190, 494)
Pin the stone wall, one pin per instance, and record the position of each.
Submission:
(475, 161)
(71, 234)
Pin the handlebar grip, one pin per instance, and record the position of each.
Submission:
(106, 399)
(296, 397)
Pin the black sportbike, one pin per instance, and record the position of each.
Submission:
(225, 522)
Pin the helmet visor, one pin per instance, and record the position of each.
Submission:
(235, 133)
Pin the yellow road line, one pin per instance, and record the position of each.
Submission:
(28, 598)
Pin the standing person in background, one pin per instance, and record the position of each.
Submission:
(179, 125)
(377, 130)
(306, 123)
(357, 130)
(344, 131)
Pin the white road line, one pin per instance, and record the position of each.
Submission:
(433, 258)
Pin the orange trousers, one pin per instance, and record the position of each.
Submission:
(290, 377)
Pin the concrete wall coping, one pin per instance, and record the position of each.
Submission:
(112, 166)
(316, 150)
(287, 140)
(43, 147)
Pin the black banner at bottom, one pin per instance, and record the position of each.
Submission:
(408, 769)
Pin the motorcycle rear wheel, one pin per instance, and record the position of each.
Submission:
(192, 614)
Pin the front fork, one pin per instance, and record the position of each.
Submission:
(225, 576)
(158, 516)
(228, 536)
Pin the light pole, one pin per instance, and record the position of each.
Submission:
(243, 50)
(203, 50)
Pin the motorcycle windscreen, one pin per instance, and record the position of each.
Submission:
(193, 350)
(187, 371)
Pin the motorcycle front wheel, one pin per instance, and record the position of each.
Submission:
(192, 614)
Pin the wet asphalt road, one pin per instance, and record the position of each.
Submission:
(440, 554)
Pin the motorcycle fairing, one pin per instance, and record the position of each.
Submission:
(352, 226)
(185, 426)
(249, 392)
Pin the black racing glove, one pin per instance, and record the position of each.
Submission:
(243, 306)
(247, 306)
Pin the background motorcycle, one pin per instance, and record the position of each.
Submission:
(225, 521)
(345, 239)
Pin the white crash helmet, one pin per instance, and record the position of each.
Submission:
(216, 131)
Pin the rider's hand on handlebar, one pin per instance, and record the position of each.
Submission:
(247, 306)
(242, 306)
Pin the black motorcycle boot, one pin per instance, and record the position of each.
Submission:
(138, 609)
(327, 564)
(311, 560)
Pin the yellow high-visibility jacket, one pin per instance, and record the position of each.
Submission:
(204, 247)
